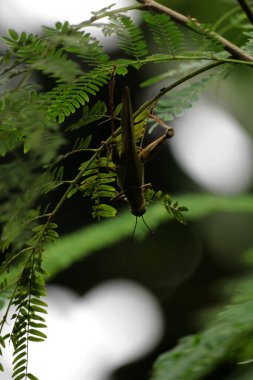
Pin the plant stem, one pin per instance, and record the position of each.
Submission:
(164, 90)
(247, 9)
(225, 16)
(233, 49)
(106, 14)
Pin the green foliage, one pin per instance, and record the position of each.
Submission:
(26, 299)
(29, 308)
(166, 34)
(204, 37)
(82, 44)
(174, 105)
(33, 127)
(249, 44)
(64, 100)
(130, 37)
(97, 184)
(172, 207)
(90, 115)
(39, 55)
(180, 69)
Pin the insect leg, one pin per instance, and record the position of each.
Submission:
(148, 152)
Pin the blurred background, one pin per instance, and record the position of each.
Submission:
(134, 299)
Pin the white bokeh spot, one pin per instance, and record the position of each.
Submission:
(30, 15)
(89, 337)
(213, 149)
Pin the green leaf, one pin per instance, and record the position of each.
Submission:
(20, 348)
(37, 301)
(38, 325)
(19, 344)
(38, 309)
(65, 27)
(20, 363)
(19, 357)
(19, 377)
(104, 211)
(32, 377)
(72, 192)
(13, 34)
(53, 225)
(61, 117)
(34, 339)
(52, 233)
(118, 109)
(37, 317)
(26, 147)
(37, 333)
(38, 228)
(183, 208)
(20, 369)
(85, 96)
(2, 342)
(58, 25)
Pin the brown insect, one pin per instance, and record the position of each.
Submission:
(130, 162)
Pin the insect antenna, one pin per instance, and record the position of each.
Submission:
(129, 246)
(133, 233)
(153, 235)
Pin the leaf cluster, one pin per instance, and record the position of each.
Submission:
(171, 206)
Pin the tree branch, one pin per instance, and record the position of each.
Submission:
(233, 49)
(247, 10)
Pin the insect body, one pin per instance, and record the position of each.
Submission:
(130, 163)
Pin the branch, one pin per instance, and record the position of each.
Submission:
(164, 90)
(106, 14)
(233, 49)
(247, 10)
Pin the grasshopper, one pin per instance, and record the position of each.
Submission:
(130, 163)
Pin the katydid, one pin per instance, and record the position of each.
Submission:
(129, 163)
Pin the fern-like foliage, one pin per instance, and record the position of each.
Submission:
(82, 44)
(130, 37)
(171, 206)
(166, 34)
(248, 47)
(28, 319)
(174, 105)
(97, 184)
(90, 115)
(39, 55)
(204, 38)
(63, 100)
(26, 299)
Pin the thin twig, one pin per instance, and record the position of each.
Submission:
(246, 9)
(164, 90)
(106, 14)
(233, 49)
